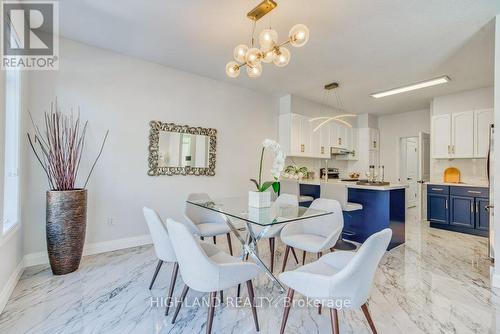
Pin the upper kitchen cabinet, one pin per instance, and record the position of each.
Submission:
(298, 138)
(338, 135)
(483, 119)
(461, 135)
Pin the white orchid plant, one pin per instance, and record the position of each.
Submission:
(277, 168)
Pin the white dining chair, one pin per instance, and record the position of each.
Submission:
(206, 268)
(206, 223)
(274, 231)
(339, 280)
(315, 234)
(163, 249)
(338, 191)
(292, 187)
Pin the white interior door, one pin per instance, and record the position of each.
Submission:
(424, 170)
(412, 172)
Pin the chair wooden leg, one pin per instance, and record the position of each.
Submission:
(178, 308)
(364, 307)
(332, 249)
(175, 270)
(215, 240)
(320, 254)
(334, 316)
(158, 266)
(286, 311)
(319, 309)
(221, 296)
(271, 251)
(239, 290)
(211, 311)
(303, 257)
(228, 236)
(202, 238)
(285, 258)
(295, 256)
(252, 301)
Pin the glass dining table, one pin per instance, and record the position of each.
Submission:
(256, 222)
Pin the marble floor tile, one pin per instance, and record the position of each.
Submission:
(437, 282)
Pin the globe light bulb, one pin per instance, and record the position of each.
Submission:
(253, 57)
(268, 38)
(240, 52)
(298, 35)
(281, 57)
(267, 55)
(254, 71)
(232, 69)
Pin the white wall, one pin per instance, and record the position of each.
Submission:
(471, 170)
(123, 94)
(393, 127)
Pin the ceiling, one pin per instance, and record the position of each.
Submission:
(367, 46)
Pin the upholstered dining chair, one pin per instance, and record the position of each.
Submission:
(292, 187)
(163, 249)
(206, 223)
(274, 231)
(339, 280)
(206, 268)
(315, 234)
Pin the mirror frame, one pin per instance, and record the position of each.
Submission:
(154, 146)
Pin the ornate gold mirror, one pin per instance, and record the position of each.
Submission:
(181, 149)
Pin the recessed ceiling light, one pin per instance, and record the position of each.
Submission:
(415, 86)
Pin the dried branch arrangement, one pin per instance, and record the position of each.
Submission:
(59, 148)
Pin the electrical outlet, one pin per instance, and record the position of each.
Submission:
(111, 221)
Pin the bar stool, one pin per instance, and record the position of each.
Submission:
(292, 187)
(338, 191)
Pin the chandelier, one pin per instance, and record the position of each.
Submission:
(270, 49)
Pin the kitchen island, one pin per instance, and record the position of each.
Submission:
(383, 206)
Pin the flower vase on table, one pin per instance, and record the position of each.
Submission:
(261, 198)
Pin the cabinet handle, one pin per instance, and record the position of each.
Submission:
(453, 149)
(340, 141)
(446, 204)
(471, 207)
(449, 149)
(473, 192)
(477, 207)
(437, 189)
(322, 150)
(302, 148)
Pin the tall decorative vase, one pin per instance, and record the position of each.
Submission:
(258, 199)
(66, 218)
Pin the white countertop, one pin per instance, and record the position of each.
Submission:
(458, 184)
(353, 185)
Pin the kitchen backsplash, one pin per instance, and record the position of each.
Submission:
(316, 164)
(471, 170)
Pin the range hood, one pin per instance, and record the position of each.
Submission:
(340, 151)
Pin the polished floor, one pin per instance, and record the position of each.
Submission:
(437, 282)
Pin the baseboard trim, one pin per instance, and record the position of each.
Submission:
(10, 285)
(34, 259)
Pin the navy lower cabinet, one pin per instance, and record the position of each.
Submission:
(437, 208)
(460, 209)
(482, 214)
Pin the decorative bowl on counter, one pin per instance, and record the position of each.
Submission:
(354, 175)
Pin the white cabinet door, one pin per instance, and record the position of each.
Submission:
(462, 134)
(324, 141)
(482, 121)
(315, 141)
(295, 135)
(305, 136)
(441, 136)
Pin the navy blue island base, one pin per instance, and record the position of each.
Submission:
(381, 209)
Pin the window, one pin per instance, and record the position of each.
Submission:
(12, 132)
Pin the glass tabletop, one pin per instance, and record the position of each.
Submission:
(237, 207)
